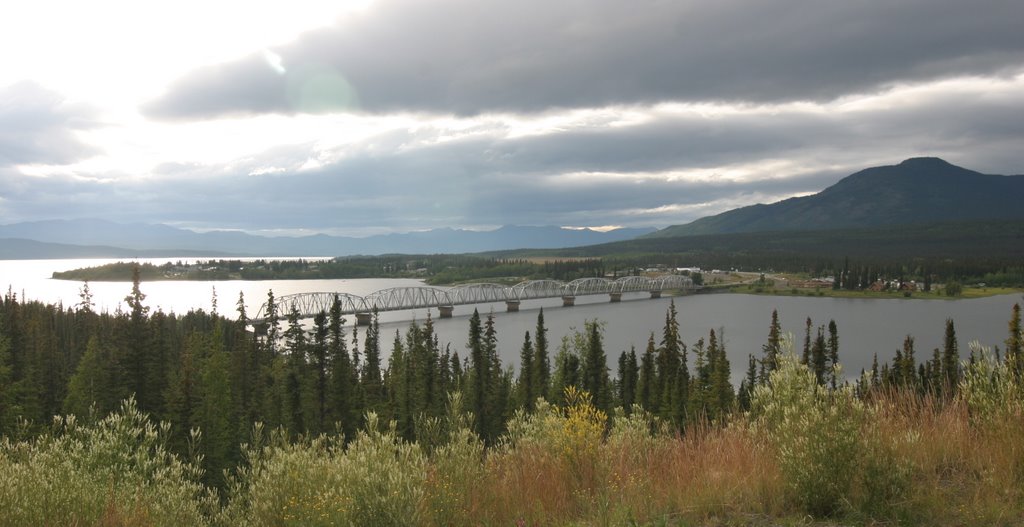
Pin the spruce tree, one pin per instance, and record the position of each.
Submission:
(399, 387)
(9, 410)
(772, 348)
(213, 414)
(90, 385)
(541, 359)
(833, 352)
(497, 384)
(647, 383)
(136, 363)
(595, 367)
(479, 372)
(567, 372)
(1015, 344)
(805, 358)
(370, 380)
(950, 359)
(525, 384)
(748, 383)
(183, 391)
(319, 363)
(720, 388)
(343, 378)
(819, 356)
(628, 378)
(699, 383)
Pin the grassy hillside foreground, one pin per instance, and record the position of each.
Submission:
(803, 454)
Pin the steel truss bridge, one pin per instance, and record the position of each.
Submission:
(445, 299)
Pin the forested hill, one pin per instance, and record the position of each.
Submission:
(916, 191)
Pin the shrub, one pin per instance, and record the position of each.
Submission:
(814, 432)
(116, 472)
(991, 390)
(378, 480)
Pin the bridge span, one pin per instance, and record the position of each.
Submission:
(445, 299)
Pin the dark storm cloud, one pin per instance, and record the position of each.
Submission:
(598, 173)
(37, 126)
(469, 57)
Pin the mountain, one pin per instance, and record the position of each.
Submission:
(19, 249)
(136, 238)
(916, 191)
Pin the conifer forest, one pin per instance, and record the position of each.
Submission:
(148, 418)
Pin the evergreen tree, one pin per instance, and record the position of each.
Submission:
(427, 361)
(699, 383)
(296, 419)
(805, 358)
(183, 391)
(479, 372)
(399, 388)
(525, 384)
(370, 380)
(876, 379)
(9, 409)
(136, 363)
(772, 348)
(819, 356)
(748, 383)
(627, 380)
(273, 323)
(567, 371)
(833, 352)
(950, 359)
(497, 385)
(244, 377)
(905, 365)
(646, 383)
(720, 388)
(90, 385)
(213, 414)
(343, 380)
(319, 362)
(541, 361)
(1015, 344)
(595, 367)
(673, 377)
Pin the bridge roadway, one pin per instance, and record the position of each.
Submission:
(446, 298)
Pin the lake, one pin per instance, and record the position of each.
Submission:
(866, 326)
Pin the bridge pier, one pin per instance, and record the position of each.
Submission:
(615, 297)
(363, 319)
(512, 306)
(568, 301)
(655, 294)
(445, 311)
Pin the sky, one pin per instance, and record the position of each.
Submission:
(375, 116)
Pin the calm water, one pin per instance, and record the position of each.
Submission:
(866, 326)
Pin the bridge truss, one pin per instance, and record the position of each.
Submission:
(308, 305)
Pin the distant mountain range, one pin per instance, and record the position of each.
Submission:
(915, 192)
(918, 191)
(100, 238)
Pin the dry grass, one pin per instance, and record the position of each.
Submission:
(963, 473)
(710, 474)
(936, 467)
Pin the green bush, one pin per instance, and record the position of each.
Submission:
(815, 433)
(115, 472)
(991, 390)
(377, 480)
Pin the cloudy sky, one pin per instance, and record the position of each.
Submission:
(378, 116)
